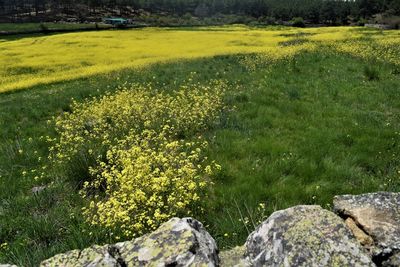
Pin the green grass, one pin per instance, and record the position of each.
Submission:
(302, 132)
(27, 27)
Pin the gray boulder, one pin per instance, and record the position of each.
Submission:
(305, 236)
(178, 242)
(392, 261)
(38, 189)
(378, 215)
(93, 256)
(234, 257)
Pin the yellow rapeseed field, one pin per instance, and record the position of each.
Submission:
(41, 60)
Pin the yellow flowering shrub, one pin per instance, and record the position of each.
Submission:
(147, 178)
(94, 125)
(147, 162)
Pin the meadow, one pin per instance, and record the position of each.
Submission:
(231, 122)
(30, 27)
(75, 55)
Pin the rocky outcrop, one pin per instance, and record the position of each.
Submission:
(305, 236)
(377, 215)
(178, 242)
(364, 232)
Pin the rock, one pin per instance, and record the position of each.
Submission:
(38, 189)
(378, 215)
(178, 242)
(305, 236)
(298, 236)
(93, 256)
(393, 261)
(7, 265)
(234, 258)
(359, 234)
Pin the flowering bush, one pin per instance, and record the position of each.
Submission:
(102, 122)
(147, 178)
(143, 153)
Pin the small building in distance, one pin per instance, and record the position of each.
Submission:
(116, 21)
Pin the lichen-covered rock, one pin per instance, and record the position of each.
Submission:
(377, 214)
(90, 257)
(178, 242)
(234, 258)
(393, 261)
(7, 265)
(305, 236)
(38, 189)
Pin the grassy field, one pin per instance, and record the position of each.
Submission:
(69, 56)
(29, 27)
(310, 119)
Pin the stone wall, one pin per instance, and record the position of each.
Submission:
(363, 230)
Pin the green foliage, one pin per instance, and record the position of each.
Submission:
(362, 22)
(315, 11)
(31, 27)
(298, 22)
(371, 73)
(43, 28)
(393, 22)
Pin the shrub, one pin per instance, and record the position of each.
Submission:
(146, 179)
(43, 28)
(142, 151)
(362, 22)
(371, 73)
(99, 123)
(298, 22)
(293, 94)
(187, 16)
(269, 20)
(121, 26)
(393, 22)
(396, 70)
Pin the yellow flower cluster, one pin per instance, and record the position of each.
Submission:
(370, 44)
(99, 123)
(147, 178)
(148, 158)
(384, 49)
(270, 56)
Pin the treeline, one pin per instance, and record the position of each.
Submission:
(313, 11)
